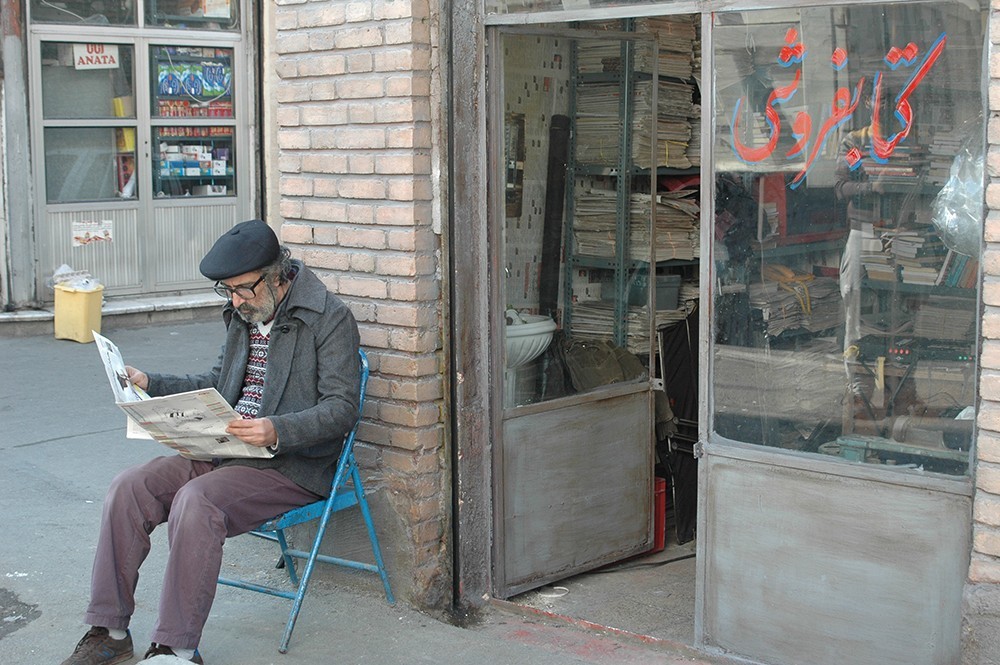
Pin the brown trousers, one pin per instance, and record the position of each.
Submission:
(202, 505)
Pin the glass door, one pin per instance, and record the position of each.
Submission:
(572, 301)
(142, 145)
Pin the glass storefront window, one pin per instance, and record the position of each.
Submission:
(199, 14)
(87, 80)
(93, 82)
(88, 164)
(528, 6)
(92, 12)
(194, 161)
(600, 208)
(192, 83)
(846, 290)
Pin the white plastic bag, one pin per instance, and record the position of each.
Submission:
(958, 207)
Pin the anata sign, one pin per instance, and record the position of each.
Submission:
(95, 56)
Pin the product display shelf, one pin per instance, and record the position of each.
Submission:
(609, 167)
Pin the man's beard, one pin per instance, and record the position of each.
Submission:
(264, 312)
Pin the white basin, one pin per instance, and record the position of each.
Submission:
(526, 341)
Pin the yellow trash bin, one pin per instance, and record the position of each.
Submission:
(78, 312)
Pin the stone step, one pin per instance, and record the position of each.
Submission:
(119, 312)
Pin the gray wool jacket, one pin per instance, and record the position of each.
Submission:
(312, 385)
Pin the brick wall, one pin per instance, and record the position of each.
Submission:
(352, 167)
(981, 611)
(986, 525)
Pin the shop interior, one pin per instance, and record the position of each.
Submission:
(844, 323)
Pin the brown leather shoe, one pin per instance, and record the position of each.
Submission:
(97, 648)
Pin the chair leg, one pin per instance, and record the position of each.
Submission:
(303, 584)
(359, 492)
(289, 561)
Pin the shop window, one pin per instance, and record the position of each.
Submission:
(525, 6)
(92, 82)
(200, 14)
(848, 210)
(192, 158)
(85, 164)
(601, 204)
(94, 12)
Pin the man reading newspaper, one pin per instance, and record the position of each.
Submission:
(289, 367)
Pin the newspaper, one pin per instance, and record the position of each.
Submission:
(192, 423)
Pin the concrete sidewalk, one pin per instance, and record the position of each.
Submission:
(62, 442)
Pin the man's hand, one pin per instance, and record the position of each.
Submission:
(255, 431)
(137, 377)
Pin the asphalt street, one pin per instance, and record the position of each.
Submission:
(62, 440)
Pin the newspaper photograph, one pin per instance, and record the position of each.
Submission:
(192, 423)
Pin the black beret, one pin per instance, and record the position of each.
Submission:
(246, 247)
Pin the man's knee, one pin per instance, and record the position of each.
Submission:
(194, 504)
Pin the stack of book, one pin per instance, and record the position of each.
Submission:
(950, 319)
(875, 256)
(919, 256)
(958, 271)
(941, 152)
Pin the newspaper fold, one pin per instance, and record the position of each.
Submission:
(192, 423)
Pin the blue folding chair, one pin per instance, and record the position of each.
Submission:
(341, 496)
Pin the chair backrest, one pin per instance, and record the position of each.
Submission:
(348, 449)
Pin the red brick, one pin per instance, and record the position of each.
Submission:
(362, 188)
(295, 186)
(360, 37)
(297, 233)
(362, 262)
(326, 258)
(374, 337)
(324, 163)
(426, 389)
(409, 414)
(323, 65)
(418, 289)
(367, 238)
(361, 164)
(325, 15)
(360, 88)
(358, 11)
(325, 235)
(409, 365)
(368, 287)
(293, 139)
(290, 209)
(408, 314)
(324, 211)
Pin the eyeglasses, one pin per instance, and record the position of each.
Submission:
(245, 292)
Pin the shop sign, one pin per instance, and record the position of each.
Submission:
(843, 105)
(95, 56)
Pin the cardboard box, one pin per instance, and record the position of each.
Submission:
(125, 139)
(208, 190)
(218, 167)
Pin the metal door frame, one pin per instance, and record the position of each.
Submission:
(500, 586)
(140, 37)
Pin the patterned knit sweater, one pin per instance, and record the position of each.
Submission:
(253, 382)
